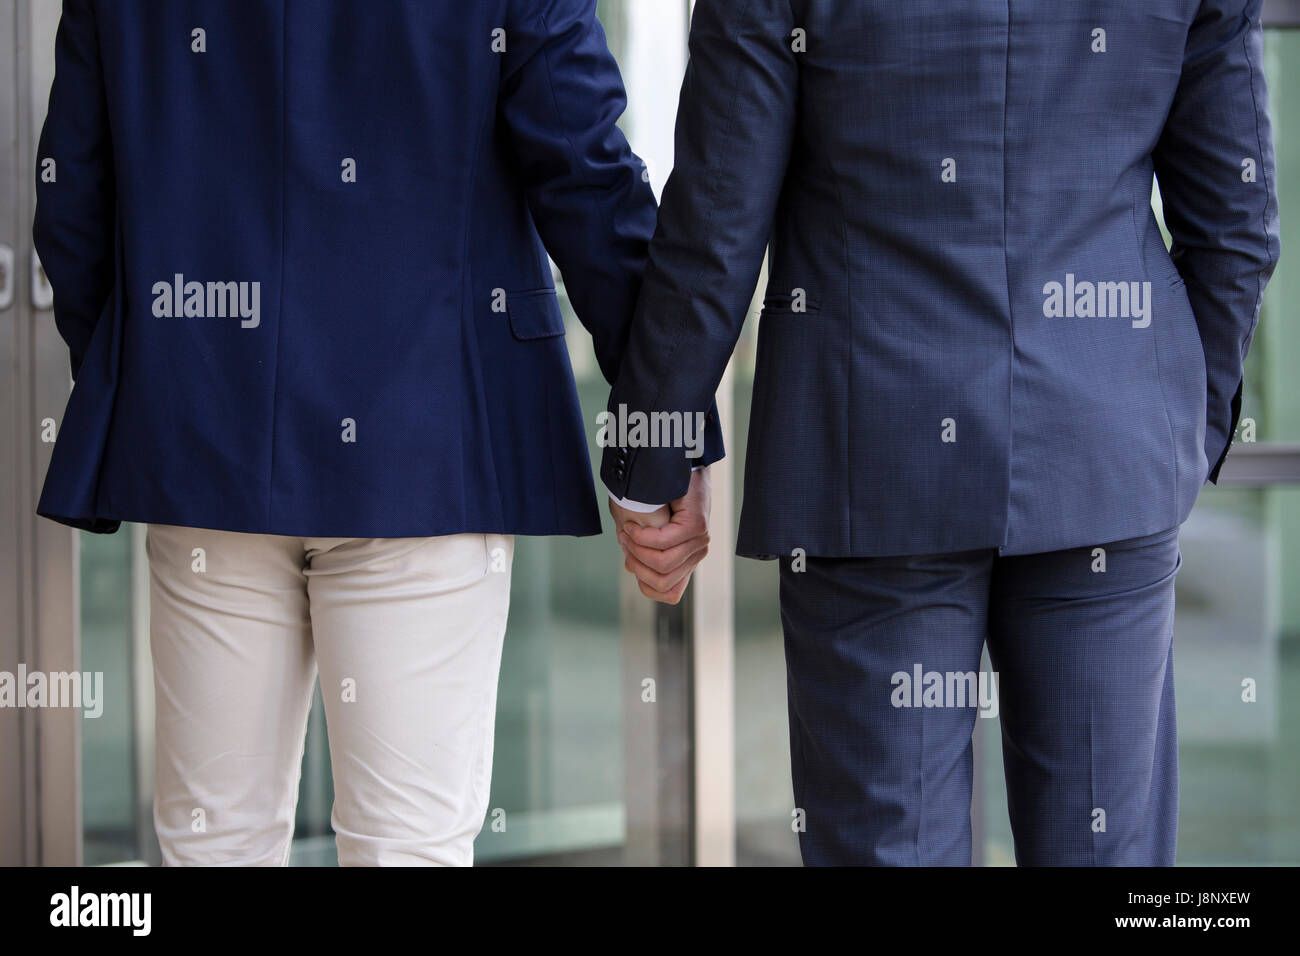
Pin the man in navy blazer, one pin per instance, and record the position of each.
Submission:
(986, 396)
(299, 254)
(391, 177)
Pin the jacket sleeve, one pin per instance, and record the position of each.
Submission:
(561, 98)
(735, 126)
(76, 204)
(1218, 183)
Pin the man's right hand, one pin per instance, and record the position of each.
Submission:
(663, 553)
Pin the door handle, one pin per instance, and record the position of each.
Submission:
(42, 292)
(6, 276)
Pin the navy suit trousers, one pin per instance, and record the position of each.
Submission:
(1081, 641)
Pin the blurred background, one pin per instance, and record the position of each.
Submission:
(592, 767)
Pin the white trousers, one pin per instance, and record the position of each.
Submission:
(406, 634)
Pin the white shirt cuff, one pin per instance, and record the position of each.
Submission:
(639, 507)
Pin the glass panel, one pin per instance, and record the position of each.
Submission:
(1236, 673)
(1271, 398)
(108, 752)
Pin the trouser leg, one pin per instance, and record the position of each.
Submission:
(1085, 658)
(408, 635)
(880, 782)
(233, 677)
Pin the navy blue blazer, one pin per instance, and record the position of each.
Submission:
(299, 256)
(973, 336)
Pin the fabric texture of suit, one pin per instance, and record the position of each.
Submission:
(883, 763)
(391, 176)
(925, 173)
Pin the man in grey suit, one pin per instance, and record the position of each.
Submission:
(986, 395)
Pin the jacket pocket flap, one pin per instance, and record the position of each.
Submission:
(534, 315)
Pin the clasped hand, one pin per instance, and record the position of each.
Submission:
(662, 549)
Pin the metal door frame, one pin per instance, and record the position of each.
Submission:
(14, 774)
(42, 779)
